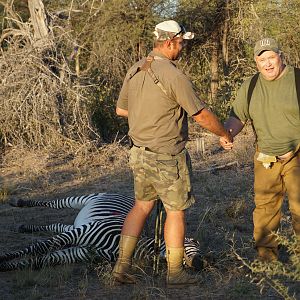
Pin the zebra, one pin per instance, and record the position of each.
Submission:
(94, 235)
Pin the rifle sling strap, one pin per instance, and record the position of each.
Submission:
(147, 68)
(251, 88)
(297, 79)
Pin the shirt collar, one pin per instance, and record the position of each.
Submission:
(162, 56)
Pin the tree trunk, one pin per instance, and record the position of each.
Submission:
(225, 39)
(214, 70)
(39, 22)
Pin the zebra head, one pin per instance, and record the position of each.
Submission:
(192, 255)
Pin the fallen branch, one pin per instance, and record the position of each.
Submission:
(221, 167)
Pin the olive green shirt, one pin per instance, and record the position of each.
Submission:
(274, 111)
(156, 120)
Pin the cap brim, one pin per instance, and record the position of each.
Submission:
(260, 51)
(188, 36)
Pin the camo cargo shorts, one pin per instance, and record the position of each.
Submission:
(164, 176)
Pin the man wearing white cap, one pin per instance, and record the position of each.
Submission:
(157, 98)
(271, 100)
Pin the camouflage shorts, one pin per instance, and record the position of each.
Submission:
(164, 176)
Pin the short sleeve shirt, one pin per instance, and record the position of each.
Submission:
(274, 111)
(156, 120)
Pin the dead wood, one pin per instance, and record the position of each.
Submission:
(43, 103)
(220, 167)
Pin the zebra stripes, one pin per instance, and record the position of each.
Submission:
(94, 235)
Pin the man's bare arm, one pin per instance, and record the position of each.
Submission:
(122, 112)
(209, 121)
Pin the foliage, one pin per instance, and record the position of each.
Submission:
(278, 274)
(42, 104)
(98, 41)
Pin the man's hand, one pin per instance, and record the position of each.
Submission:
(227, 141)
(121, 112)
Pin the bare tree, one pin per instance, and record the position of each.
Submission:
(41, 103)
(39, 22)
(214, 66)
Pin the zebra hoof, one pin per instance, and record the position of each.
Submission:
(4, 267)
(22, 229)
(3, 258)
(16, 203)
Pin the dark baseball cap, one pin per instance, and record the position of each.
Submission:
(266, 44)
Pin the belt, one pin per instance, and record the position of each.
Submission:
(285, 156)
(144, 148)
(149, 150)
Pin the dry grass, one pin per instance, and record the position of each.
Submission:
(3, 194)
(282, 276)
(43, 103)
(221, 220)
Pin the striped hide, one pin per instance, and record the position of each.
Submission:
(94, 235)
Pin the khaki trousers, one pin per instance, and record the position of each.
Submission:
(270, 186)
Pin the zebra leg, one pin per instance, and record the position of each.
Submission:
(56, 227)
(55, 243)
(112, 203)
(65, 256)
(69, 202)
(192, 255)
(101, 234)
(144, 249)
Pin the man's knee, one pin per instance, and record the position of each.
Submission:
(175, 214)
(144, 207)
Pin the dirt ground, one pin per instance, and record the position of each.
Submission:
(220, 220)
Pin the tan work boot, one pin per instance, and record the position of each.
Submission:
(122, 268)
(267, 254)
(177, 276)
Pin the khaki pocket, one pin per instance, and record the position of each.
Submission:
(132, 158)
(168, 169)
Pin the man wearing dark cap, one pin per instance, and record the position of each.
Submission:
(269, 99)
(157, 98)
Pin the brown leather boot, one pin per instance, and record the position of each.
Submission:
(122, 268)
(177, 276)
(265, 254)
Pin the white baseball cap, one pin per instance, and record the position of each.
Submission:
(170, 29)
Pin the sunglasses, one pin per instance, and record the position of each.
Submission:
(182, 31)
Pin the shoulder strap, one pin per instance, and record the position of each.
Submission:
(254, 80)
(249, 96)
(251, 88)
(147, 68)
(297, 82)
